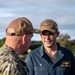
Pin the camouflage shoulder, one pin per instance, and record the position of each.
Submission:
(10, 64)
(11, 67)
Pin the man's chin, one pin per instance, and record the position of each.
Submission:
(48, 45)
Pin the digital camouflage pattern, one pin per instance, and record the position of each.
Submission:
(10, 63)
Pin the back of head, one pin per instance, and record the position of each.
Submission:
(19, 26)
(49, 25)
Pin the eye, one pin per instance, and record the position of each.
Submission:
(51, 33)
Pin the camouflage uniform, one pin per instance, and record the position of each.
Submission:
(10, 63)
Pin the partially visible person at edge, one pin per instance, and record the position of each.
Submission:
(50, 58)
(18, 38)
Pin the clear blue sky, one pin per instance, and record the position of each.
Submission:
(62, 11)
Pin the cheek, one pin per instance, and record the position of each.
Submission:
(54, 39)
(42, 39)
(28, 43)
(29, 40)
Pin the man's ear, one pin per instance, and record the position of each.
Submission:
(23, 39)
(58, 33)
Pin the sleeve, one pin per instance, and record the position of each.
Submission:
(30, 64)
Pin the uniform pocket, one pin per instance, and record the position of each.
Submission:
(63, 71)
(41, 70)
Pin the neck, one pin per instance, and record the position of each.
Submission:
(51, 52)
(14, 46)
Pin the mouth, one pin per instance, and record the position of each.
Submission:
(48, 42)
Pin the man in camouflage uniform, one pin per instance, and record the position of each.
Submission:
(18, 38)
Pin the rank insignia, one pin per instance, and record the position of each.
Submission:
(65, 64)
